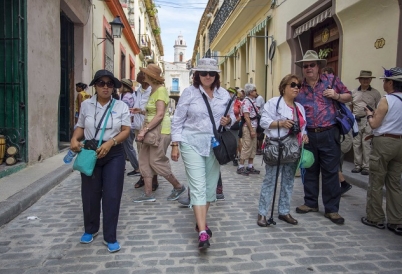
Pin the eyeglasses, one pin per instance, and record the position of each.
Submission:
(101, 84)
(211, 73)
(293, 85)
(312, 65)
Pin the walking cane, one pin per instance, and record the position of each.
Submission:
(271, 219)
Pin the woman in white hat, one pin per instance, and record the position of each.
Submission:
(192, 130)
(386, 155)
(153, 160)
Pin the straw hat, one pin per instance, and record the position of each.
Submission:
(153, 71)
(394, 74)
(206, 64)
(128, 83)
(311, 56)
(365, 74)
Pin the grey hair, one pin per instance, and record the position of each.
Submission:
(249, 88)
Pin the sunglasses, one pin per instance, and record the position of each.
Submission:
(312, 65)
(293, 85)
(101, 84)
(211, 73)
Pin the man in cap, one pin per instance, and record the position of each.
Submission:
(317, 95)
(362, 96)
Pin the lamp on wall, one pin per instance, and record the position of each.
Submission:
(117, 27)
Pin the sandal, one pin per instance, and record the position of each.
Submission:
(397, 229)
(370, 223)
(155, 186)
(140, 183)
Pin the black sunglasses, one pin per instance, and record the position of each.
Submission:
(293, 85)
(311, 65)
(101, 84)
(211, 73)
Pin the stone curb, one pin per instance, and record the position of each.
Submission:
(22, 200)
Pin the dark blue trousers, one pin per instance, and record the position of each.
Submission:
(326, 149)
(104, 187)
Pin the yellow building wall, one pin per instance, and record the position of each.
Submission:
(363, 23)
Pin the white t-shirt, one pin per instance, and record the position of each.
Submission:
(259, 102)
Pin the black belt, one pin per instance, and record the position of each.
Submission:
(319, 129)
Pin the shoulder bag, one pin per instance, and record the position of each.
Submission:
(225, 152)
(86, 158)
(282, 150)
(153, 136)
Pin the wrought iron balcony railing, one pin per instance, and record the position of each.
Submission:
(174, 89)
(223, 14)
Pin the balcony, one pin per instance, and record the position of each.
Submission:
(145, 45)
(174, 90)
(223, 14)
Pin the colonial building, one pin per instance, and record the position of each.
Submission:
(46, 51)
(258, 43)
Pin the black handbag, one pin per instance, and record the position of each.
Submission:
(225, 152)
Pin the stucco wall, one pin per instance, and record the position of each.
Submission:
(362, 24)
(43, 67)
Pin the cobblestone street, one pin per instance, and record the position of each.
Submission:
(159, 237)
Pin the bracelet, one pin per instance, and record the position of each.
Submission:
(174, 145)
(369, 116)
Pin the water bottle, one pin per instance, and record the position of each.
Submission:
(214, 142)
(69, 156)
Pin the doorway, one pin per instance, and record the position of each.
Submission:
(66, 99)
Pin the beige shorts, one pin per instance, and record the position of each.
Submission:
(249, 145)
(153, 160)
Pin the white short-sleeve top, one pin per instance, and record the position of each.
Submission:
(91, 113)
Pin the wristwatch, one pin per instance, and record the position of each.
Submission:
(114, 141)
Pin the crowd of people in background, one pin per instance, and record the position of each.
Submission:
(306, 101)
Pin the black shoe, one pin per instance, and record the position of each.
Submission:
(356, 170)
(235, 163)
(345, 187)
(134, 173)
(365, 172)
(140, 183)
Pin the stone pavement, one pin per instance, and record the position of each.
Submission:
(160, 238)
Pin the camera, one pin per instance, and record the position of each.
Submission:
(295, 129)
(91, 144)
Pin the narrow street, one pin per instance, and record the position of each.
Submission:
(160, 238)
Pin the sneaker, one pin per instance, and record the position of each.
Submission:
(335, 218)
(203, 241)
(365, 172)
(134, 173)
(209, 232)
(144, 198)
(305, 209)
(242, 171)
(252, 170)
(87, 238)
(220, 196)
(184, 200)
(174, 195)
(345, 187)
(112, 247)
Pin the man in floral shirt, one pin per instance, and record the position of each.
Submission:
(317, 95)
(249, 135)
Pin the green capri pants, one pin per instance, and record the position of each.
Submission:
(202, 174)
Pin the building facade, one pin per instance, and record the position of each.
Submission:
(46, 51)
(259, 43)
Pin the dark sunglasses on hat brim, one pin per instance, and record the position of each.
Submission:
(210, 73)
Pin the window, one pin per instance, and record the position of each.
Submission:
(123, 65)
(175, 85)
(181, 57)
(109, 52)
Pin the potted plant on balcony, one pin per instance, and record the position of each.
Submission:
(152, 10)
(156, 31)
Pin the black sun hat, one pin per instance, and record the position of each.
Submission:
(104, 72)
